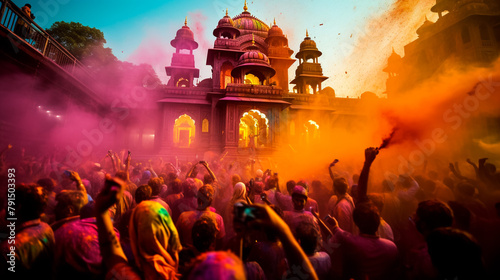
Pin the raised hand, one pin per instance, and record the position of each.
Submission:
(370, 154)
(110, 193)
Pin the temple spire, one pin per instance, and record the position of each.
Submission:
(274, 21)
(307, 33)
(186, 21)
(245, 8)
(226, 12)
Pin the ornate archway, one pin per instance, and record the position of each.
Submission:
(184, 131)
(253, 130)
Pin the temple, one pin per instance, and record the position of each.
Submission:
(245, 108)
(465, 33)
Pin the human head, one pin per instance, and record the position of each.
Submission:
(259, 174)
(189, 188)
(340, 186)
(31, 200)
(207, 179)
(217, 265)
(366, 217)
(142, 193)
(239, 192)
(154, 240)
(205, 196)
(432, 214)
(455, 254)
(258, 187)
(299, 197)
(203, 234)
(69, 203)
(235, 179)
(156, 185)
(304, 184)
(307, 236)
(272, 183)
(47, 183)
(175, 186)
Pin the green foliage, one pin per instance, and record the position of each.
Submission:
(77, 38)
(87, 45)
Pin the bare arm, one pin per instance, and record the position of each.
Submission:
(330, 169)
(299, 264)
(370, 155)
(127, 166)
(205, 164)
(111, 250)
(110, 154)
(75, 177)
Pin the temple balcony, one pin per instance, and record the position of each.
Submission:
(191, 91)
(309, 68)
(223, 43)
(253, 89)
(185, 60)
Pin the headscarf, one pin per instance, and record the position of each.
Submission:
(154, 241)
(239, 193)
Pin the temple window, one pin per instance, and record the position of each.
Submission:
(182, 82)
(204, 125)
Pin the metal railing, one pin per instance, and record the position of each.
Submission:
(15, 20)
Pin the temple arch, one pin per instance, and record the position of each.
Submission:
(184, 131)
(225, 74)
(311, 131)
(253, 130)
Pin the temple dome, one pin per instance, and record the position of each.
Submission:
(308, 48)
(184, 38)
(226, 24)
(275, 31)
(253, 61)
(247, 23)
(253, 57)
(225, 21)
(394, 58)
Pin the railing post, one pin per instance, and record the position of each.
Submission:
(46, 44)
(2, 10)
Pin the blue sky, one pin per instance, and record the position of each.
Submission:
(140, 31)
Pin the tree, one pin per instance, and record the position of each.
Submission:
(84, 42)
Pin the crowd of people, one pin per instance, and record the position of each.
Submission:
(122, 218)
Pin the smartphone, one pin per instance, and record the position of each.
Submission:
(245, 213)
(67, 173)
